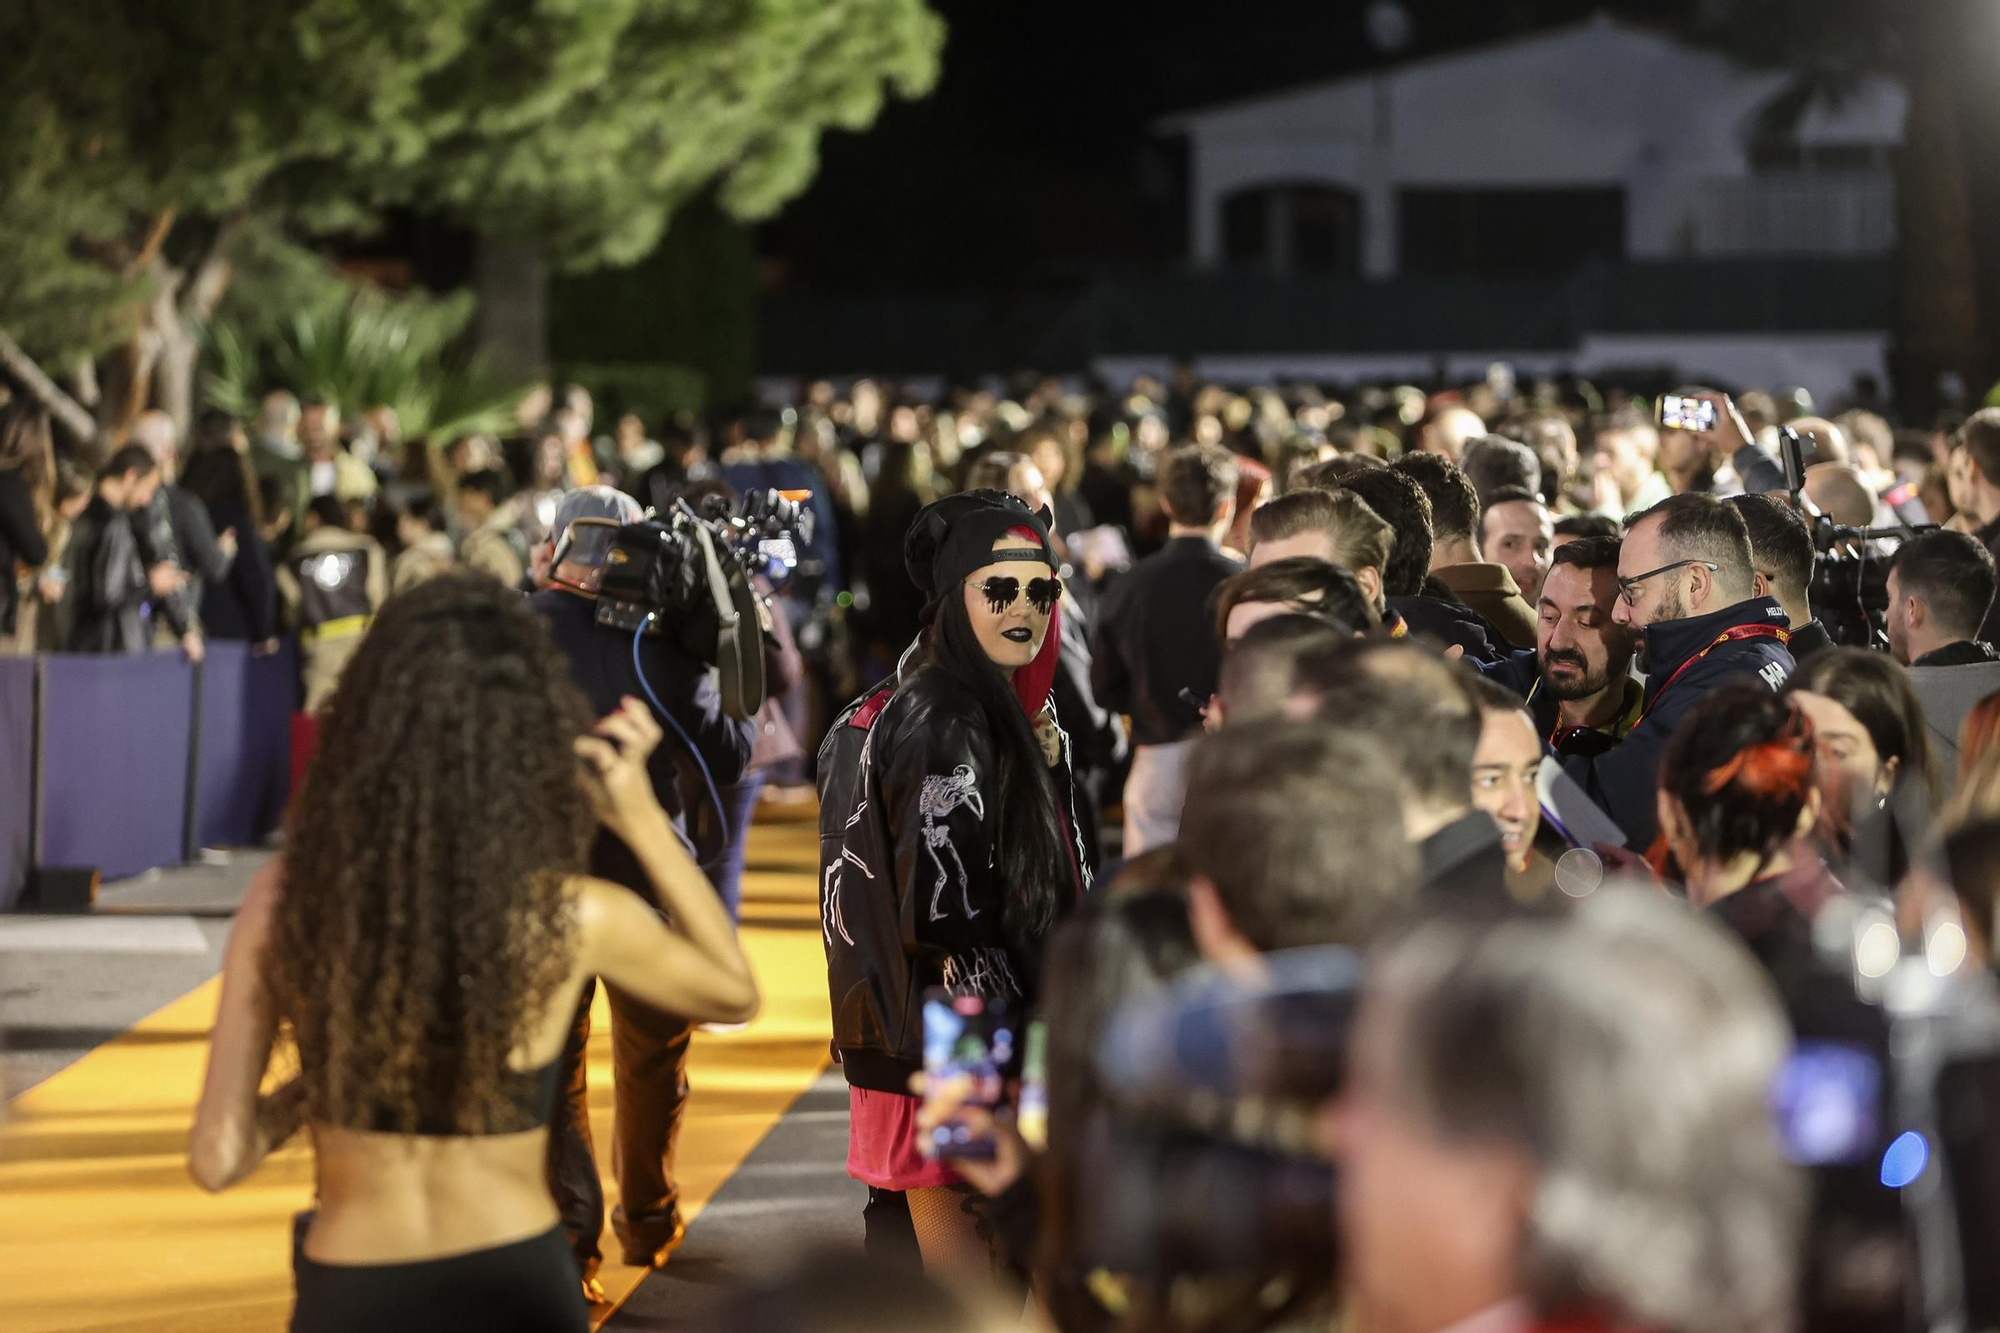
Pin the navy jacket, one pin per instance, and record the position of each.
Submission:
(1684, 661)
(601, 661)
(1451, 623)
(243, 604)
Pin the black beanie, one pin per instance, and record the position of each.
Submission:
(954, 537)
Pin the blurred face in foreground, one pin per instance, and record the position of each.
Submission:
(1431, 1230)
(1503, 779)
(1847, 768)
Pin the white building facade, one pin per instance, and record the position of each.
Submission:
(1600, 139)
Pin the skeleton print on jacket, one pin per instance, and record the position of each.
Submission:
(927, 809)
(909, 894)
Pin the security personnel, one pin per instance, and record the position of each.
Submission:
(332, 584)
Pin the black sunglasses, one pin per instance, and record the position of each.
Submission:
(1002, 592)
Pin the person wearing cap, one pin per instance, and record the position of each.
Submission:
(649, 1048)
(959, 852)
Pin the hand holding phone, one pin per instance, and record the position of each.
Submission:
(968, 1047)
(1677, 412)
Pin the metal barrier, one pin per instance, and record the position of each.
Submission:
(124, 764)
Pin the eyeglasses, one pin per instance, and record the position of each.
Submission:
(1001, 593)
(1628, 589)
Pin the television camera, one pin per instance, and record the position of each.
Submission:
(691, 574)
(1850, 583)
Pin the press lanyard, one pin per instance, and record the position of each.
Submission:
(1738, 632)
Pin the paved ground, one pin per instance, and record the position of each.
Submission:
(71, 983)
(789, 1198)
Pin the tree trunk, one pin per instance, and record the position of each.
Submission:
(69, 414)
(513, 321)
(179, 324)
(1937, 314)
(173, 374)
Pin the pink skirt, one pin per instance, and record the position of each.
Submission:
(882, 1143)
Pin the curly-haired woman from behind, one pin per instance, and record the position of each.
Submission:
(421, 944)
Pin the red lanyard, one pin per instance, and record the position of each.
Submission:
(1739, 632)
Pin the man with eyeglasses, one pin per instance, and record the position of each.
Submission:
(1686, 586)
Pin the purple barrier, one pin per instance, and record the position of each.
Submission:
(243, 750)
(17, 775)
(114, 782)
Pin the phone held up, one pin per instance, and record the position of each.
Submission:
(971, 1038)
(1680, 413)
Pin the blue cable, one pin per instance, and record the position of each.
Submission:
(721, 816)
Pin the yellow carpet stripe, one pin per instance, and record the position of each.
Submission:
(101, 1229)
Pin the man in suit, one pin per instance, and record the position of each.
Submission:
(1151, 652)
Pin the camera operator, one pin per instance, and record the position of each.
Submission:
(1941, 586)
(1781, 551)
(649, 1047)
(1687, 586)
(1507, 1159)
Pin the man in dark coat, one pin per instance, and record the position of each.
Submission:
(1686, 584)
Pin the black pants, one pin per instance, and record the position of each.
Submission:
(529, 1286)
(649, 1065)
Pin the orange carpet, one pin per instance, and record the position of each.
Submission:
(100, 1227)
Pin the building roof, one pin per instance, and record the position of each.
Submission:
(1599, 66)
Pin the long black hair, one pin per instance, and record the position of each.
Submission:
(1029, 852)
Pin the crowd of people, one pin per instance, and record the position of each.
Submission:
(1381, 803)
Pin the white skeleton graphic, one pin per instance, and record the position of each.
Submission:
(831, 918)
(983, 972)
(938, 798)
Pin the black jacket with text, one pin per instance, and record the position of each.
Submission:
(909, 898)
(1685, 659)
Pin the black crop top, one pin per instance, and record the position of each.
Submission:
(531, 1094)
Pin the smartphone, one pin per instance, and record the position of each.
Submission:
(1828, 1104)
(966, 1036)
(1678, 413)
(1570, 811)
(1032, 1117)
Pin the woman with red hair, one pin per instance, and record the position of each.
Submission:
(1737, 800)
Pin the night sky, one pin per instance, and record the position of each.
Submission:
(1031, 164)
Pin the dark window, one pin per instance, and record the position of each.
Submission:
(1789, 155)
(1293, 228)
(1508, 231)
(1326, 230)
(1246, 226)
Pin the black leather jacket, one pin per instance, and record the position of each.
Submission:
(908, 894)
(108, 591)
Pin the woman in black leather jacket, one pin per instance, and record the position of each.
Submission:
(959, 851)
